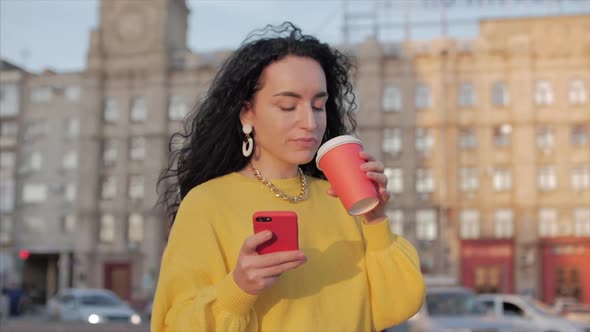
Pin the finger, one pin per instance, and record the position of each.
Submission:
(277, 270)
(379, 178)
(253, 241)
(331, 192)
(366, 156)
(385, 195)
(278, 258)
(373, 166)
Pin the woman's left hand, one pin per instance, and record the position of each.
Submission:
(374, 170)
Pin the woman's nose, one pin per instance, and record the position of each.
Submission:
(308, 118)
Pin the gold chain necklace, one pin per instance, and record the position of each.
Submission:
(278, 192)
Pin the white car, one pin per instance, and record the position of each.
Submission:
(528, 314)
(94, 306)
(452, 309)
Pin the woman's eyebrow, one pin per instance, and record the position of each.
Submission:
(296, 95)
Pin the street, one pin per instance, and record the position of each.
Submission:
(35, 324)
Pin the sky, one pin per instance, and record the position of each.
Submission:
(40, 34)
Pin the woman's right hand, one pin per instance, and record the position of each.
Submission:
(254, 273)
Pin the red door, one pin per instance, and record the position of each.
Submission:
(566, 268)
(117, 277)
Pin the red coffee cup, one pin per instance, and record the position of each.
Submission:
(340, 161)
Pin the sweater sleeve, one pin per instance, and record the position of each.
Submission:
(396, 284)
(196, 292)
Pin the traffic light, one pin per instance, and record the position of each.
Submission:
(24, 254)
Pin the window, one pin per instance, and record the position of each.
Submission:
(396, 221)
(466, 95)
(424, 141)
(137, 150)
(423, 97)
(111, 110)
(548, 225)
(32, 162)
(69, 223)
(469, 179)
(581, 177)
(582, 222)
(177, 109)
(502, 135)
(136, 187)
(138, 109)
(7, 160)
(33, 224)
(545, 137)
(580, 135)
(107, 228)
(41, 94)
(70, 192)
(578, 93)
(34, 193)
(72, 127)
(500, 94)
(467, 138)
(8, 129)
(512, 310)
(70, 160)
(135, 230)
(426, 228)
(72, 93)
(109, 187)
(6, 194)
(9, 100)
(504, 224)
(392, 141)
(543, 93)
(392, 98)
(547, 179)
(502, 179)
(424, 180)
(109, 152)
(469, 224)
(395, 180)
(6, 226)
(36, 129)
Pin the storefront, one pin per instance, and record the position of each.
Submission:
(566, 268)
(487, 266)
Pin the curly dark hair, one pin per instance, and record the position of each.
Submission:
(212, 136)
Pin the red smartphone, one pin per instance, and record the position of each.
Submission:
(283, 225)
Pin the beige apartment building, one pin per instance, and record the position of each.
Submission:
(488, 152)
(485, 142)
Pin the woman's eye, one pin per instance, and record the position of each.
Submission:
(288, 108)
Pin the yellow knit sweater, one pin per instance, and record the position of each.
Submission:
(358, 277)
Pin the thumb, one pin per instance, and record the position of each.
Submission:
(253, 241)
(331, 192)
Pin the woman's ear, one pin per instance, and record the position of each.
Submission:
(246, 114)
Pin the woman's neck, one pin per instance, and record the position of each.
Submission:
(271, 169)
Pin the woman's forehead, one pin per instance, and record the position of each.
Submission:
(294, 73)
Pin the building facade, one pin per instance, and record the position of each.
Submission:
(485, 142)
(487, 147)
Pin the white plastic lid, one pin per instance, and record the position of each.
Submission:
(334, 142)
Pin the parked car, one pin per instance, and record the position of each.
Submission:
(94, 306)
(528, 314)
(572, 309)
(450, 309)
(148, 309)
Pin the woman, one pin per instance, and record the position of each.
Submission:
(251, 147)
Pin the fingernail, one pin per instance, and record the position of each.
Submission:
(268, 234)
(300, 255)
